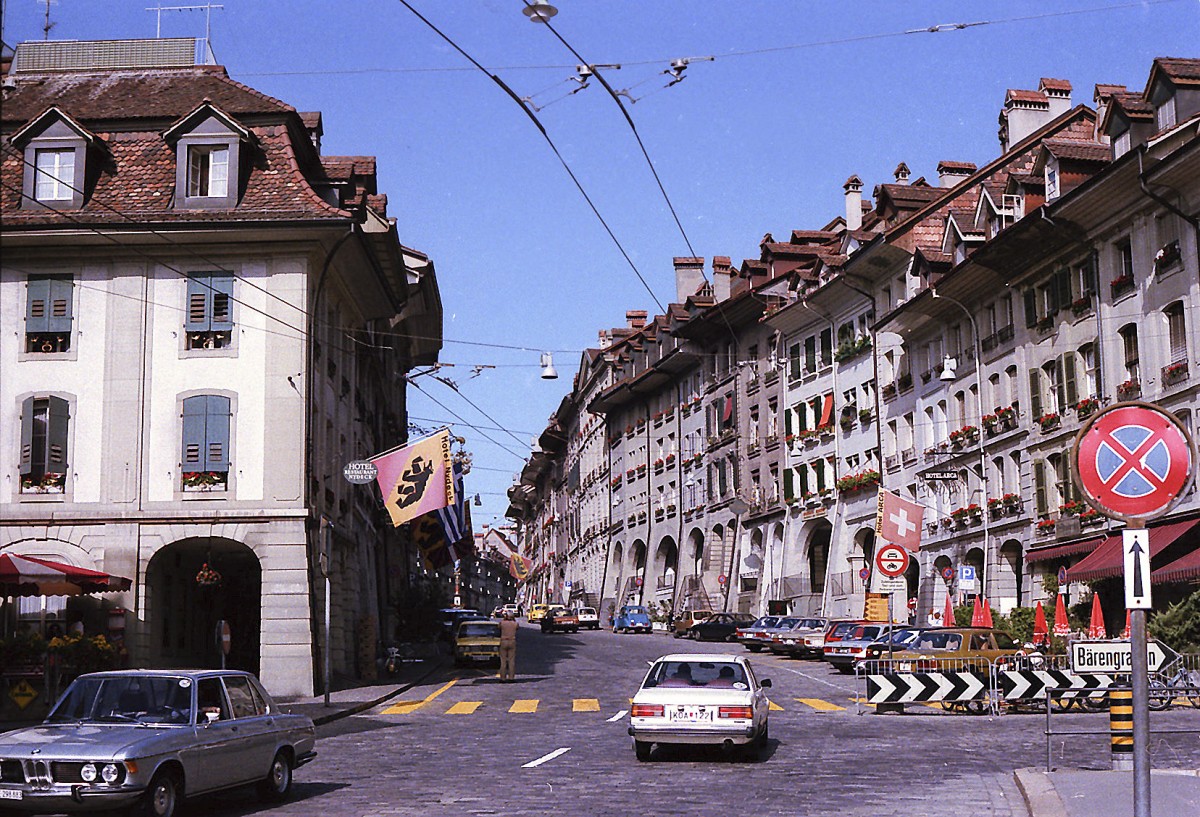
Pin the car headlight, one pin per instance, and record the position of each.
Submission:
(88, 772)
(110, 773)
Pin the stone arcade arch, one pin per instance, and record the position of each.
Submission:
(181, 613)
(665, 568)
(1008, 585)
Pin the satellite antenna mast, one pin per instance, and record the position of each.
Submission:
(206, 8)
(47, 25)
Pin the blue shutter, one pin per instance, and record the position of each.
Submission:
(56, 436)
(195, 413)
(221, 298)
(216, 436)
(58, 315)
(37, 305)
(198, 310)
(26, 467)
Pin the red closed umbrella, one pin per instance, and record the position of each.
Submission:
(1041, 633)
(987, 613)
(1096, 625)
(977, 614)
(1125, 632)
(948, 616)
(1062, 627)
(31, 576)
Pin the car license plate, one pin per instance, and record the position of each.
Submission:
(905, 666)
(11, 794)
(691, 714)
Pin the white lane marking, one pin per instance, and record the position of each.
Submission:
(814, 678)
(546, 758)
(618, 716)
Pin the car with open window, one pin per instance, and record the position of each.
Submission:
(146, 739)
(700, 698)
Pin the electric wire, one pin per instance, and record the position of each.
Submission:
(545, 135)
(466, 422)
(450, 384)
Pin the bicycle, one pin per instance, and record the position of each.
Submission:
(1164, 689)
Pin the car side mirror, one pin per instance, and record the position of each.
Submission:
(211, 717)
(766, 683)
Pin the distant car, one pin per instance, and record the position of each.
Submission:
(842, 655)
(536, 611)
(632, 618)
(750, 636)
(477, 641)
(146, 739)
(900, 639)
(589, 619)
(719, 627)
(450, 616)
(839, 629)
(791, 641)
(507, 609)
(560, 620)
(700, 699)
(687, 618)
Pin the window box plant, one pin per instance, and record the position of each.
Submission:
(1168, 255)
(904, 382)
(1174, 372)
(889, 391)
(45, 484)
(1086, 407)
(203, 480)
(1081, 305)
(1049, 421)
(669, 459)
(1129, 389)
(1045, 323)
(1090, 517)
(864, 415)
(1045, 527)
(1072, 507)
(1121, 284)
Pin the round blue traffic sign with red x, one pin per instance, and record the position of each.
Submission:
(1134, 460)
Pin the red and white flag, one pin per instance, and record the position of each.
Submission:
(899, 521)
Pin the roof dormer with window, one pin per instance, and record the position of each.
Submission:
(211, 153)
(59, 156)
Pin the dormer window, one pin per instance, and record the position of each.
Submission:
(1164, 114)
(55, 174)
(1121, 144)
(208, 171)
(56, 151)
(209, 154)
(1051, 181)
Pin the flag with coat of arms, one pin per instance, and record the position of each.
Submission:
(416, 479)
(898, 521)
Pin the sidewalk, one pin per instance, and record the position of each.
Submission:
(1106, 793)
(351, 696)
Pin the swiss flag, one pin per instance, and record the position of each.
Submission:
(899, 521)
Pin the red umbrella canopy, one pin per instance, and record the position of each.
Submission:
(1061, 625)
(31, 576)
(977, 614)
(1041, 633)
(1096, 626)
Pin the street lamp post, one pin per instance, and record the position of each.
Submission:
(983, 474)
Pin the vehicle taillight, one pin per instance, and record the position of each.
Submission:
(646, 710)
(735, 712)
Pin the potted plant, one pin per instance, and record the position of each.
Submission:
(1121, 284)
(1167, 255)
(1129, 389)
(1049, 421)
(1086, 407)
(1045, 527)
(203, 480)
(49, 483)
(864, 415)
(1081, 305)
(1174, 372)
(889, 391)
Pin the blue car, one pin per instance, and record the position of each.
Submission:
(632, 618)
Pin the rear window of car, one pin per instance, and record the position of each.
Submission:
(709, 674)
(480, 630)
(767, 621)
(812, 623)
(634, 611)
(587, 611)
(842, 629)
(939, 641)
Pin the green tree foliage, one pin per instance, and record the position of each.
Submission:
(1179, 625)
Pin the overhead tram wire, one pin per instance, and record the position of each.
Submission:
(545, 135)
(450, 384)
(629, 120)
(465, 422)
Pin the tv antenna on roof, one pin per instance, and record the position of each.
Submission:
(46, 26)
(206, 8)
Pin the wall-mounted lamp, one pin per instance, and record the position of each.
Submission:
(949, 364)
(548, 372)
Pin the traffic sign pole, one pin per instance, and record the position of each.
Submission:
(1139, 663)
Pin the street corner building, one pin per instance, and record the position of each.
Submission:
(203, 319)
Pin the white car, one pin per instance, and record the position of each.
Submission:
(589, 619)
(700, 699)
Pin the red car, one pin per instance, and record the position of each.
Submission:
(837, 630)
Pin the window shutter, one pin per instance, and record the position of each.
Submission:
(1092, 274)
(37, 305)
(802, 472)
(788, 491)
(1067, 378)
(199, 303)
(1060, 386)
(826, 347)
(787, 422)
(216, 436)
(56, 436)
(1035, 394)
(794, 361)
(1063, 282)
(1039, 485)
(195, 412)
(1031, 318)
(810, 354)
(59, 313)
(222, 303)
(26, 466)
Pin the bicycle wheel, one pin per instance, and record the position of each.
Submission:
(1193, 681)
(1161, 695)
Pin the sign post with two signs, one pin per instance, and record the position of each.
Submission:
(1133, 462)
(891, 561)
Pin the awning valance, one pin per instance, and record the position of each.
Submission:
(1045, 554)
(1109, 559)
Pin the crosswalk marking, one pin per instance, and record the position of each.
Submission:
(464, 708)
(404, 707)
(820, 705)
(526, 705)
(585, 705)
(774, 707)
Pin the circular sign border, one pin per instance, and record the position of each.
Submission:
(1133, 519)
(879, 561)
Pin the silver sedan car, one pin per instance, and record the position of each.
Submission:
(147, 738)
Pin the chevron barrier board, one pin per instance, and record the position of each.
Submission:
(911, 687)
(1018, 684)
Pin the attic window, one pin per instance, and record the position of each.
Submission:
(55, 177)
(1164, 114)
(208, 171)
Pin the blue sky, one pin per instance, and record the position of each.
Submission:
(800, 96)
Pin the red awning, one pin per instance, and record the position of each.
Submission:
(1109, 559)
(1045, 554)
(31, 576)
(826, 411)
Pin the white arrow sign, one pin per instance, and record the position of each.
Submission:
(1136, 545)
(1113, 656)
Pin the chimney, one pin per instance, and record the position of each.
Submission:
(901, 173)
(689, 277)
(1023, 113)
(605, 338)
(853, 188)
(635, 318)
(1058, 94)
(722, 277)
(951, 173)
(1103, 97)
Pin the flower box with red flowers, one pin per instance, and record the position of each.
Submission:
(1121, 284)
(1044, 527)
(1129, 389)
(203, 480)
(1086, 407)
(1174, 372)
(1049, 421)
(1080, 306)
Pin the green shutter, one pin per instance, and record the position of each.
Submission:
(1039, 486)
(1035, 394)
(794, 359)
(37, 305)
(58, 318)
(1031, 317)
(26, 466)
(810, 354)
(216, 434)
(826, 347)
(198, 315)
(1093, 272)
(788, 492)
(787, 422)
(1067, 377)
(802, 472)
(1062, 282)
(56, 435)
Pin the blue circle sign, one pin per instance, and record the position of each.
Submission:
(864, 573)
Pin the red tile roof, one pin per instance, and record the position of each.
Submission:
(1134, 106)
(1081, 151)
(1052, 84)
(969, 167)
(1181, 71)
(1028, 97)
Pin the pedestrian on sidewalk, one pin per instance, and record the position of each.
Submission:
(508, 647)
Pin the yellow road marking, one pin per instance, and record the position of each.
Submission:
(858, 700)
(820, 705)
(524, 705)
(585, 705)
(774, 707)
(464, 707)
(404, 707)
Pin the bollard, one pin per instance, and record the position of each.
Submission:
(1120, 724)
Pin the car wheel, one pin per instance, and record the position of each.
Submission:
(161, 797)
(278, 782)
(641, 748)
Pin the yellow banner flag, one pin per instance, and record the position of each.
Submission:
(416, 479)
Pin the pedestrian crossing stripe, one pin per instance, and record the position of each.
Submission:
(464, 708)
(774, 707)
(585, 705)
(404, 707)
(820, 705)
(524, 705)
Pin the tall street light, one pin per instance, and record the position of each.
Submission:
(948, 374)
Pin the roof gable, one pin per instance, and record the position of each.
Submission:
(209, 120)
(44, 125)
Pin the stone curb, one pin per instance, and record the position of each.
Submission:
(365, 705)
(1039, 793)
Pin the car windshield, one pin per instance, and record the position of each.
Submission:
(709, 674)
(634, 611)
(126, 699)
(938, 641)
(767, 621)
(811, 623)
(587, 611)
(788, 623)
(479, 630)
